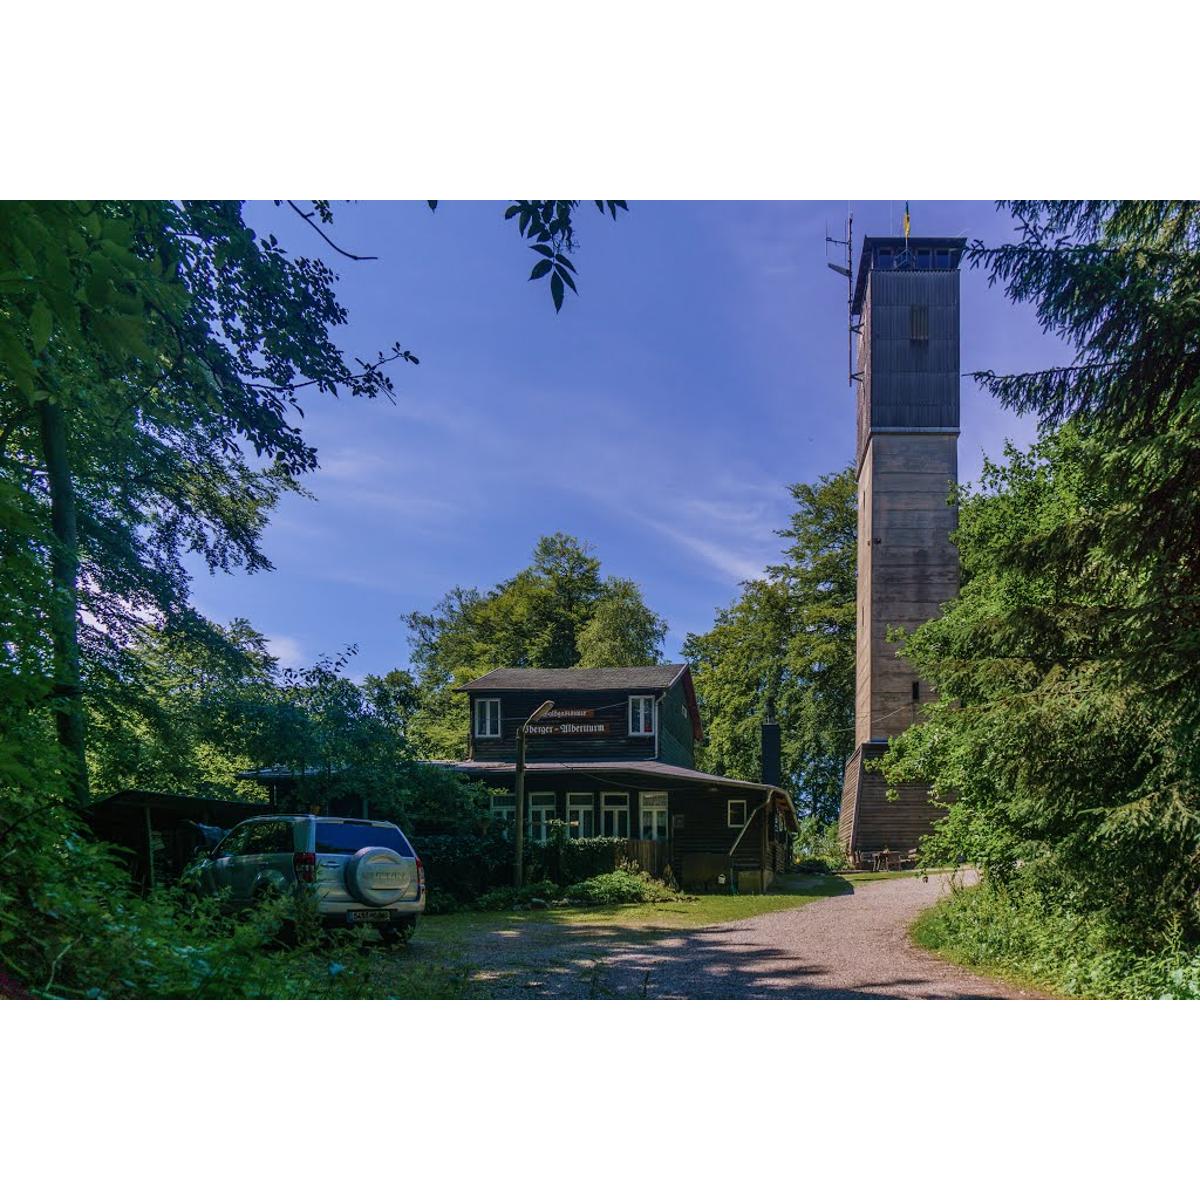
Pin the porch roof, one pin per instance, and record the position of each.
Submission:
(650, 767)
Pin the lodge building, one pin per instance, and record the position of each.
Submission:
(615, 757)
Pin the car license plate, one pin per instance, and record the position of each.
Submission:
(368, 916)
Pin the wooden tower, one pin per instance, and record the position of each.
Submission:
(905, 306)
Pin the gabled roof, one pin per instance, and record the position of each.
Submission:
(575, 679)
(591, 679)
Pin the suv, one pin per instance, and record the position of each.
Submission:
(362, 872)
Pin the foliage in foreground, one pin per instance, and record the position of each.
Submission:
(72, 927)
(1033, 929)
(1068, 669)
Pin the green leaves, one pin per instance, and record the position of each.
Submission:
(788, 640)
(548, 224)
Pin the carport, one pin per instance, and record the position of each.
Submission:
(161, 831)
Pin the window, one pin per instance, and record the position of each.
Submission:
(943, 260)
(234, 842)
(614, 814)
(918, 322)
(641, 716)
(541, 813)
(504, 808)
(348, 837)
(268, 837)
(736, 813)
(883, 258)
(924, 259)
(487, 718)
(654, 816)
(581, 815)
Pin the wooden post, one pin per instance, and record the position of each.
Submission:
(149, 849)
(765, 812)
(519, 811)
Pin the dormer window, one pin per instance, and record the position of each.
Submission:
(487, 718)
(641, 716)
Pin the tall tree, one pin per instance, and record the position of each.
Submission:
(1069, 708)
(554, 613)
(153, 356)
(786, 645)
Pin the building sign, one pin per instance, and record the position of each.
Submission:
(583, 728)
(566, 714)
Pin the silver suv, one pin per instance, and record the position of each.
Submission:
(362, 872)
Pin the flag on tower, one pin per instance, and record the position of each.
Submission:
(906, 221)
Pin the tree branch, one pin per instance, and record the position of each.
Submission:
(307, 219)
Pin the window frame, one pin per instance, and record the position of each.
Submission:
(729, 821)
(606, 807)
(505, 808)
(581, 802)
(646, 703)
(538, 802)
(656, 802)
(488, 700)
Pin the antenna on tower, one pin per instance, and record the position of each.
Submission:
(848, 271)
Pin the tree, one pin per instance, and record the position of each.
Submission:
(152, 360)
(622, 631)
(1067, 670)
(786, 646)
(551, 614)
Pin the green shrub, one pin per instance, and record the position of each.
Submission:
(816, 846)
(1018, 928)
(626, 885)
(500, 899)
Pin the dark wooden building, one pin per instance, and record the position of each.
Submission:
(615, 757)
(906, 304)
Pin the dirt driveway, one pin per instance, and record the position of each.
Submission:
(840, 948)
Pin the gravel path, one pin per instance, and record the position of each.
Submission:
(840, 948)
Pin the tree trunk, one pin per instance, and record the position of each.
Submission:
(64, 603)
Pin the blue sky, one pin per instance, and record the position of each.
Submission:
(660, 416)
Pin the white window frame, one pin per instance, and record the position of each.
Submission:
(646, 704)
(656, 802)
(540, 803)
(581, 802)
(729, 814)
(504, 808)
(607, 807)
(480, 705)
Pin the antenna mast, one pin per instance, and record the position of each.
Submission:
(848, 271)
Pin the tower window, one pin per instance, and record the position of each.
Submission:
(924, 259)
(916, 691)
(943, 260)
(918, 322)
(883, 258)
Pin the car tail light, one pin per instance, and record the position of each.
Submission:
(420, 877)
(306, 867)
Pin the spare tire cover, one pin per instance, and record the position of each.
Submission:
(378, 876)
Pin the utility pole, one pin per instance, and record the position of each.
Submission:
(519, 811)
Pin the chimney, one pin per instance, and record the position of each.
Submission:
(771, 754)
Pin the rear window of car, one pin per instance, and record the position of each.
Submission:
(340, 837)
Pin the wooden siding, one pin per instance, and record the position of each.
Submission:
(612, 707)
(870, 822)
(697, 816)
(906, 382)
(676, 734)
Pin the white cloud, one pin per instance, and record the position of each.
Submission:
(286, 649)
